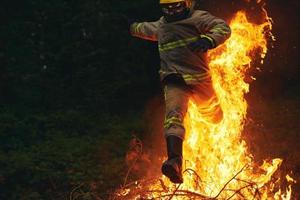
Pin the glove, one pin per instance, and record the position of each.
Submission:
(201, 45)
(132, 24)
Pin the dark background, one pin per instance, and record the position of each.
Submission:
(75, 87)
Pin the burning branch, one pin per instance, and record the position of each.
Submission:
(135, 153)
(229, 182)
(137, 189)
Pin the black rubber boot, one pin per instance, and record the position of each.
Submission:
(172, 168)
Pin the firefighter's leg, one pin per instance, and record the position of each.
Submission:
(176, 99)
(208, 102)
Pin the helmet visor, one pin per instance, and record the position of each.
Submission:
(170, 9)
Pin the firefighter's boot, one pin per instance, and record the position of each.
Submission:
(172, 168)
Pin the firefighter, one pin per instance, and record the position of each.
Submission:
(184, 36)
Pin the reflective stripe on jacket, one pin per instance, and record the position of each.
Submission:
(173, 40)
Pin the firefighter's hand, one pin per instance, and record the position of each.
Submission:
(201, 45)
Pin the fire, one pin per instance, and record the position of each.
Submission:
(217, 164)
(215, 151)
(218, 154)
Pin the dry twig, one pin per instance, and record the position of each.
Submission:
(164, 192)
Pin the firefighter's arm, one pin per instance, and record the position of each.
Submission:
(145, 30)
(215, 29)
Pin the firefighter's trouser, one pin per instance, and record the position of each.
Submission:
(177, 94)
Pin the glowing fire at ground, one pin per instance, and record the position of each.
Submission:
(217, 164)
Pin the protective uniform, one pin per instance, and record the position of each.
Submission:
(178, 59)
(184, 71)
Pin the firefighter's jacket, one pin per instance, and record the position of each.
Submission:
(173, 40)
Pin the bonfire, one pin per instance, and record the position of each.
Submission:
(217, 163)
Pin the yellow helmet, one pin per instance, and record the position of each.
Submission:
(169, 1)
(188, 2)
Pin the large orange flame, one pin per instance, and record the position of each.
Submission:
(217, 164)
(216, 151)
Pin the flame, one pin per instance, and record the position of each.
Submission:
(217, 164)
(216, 151)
